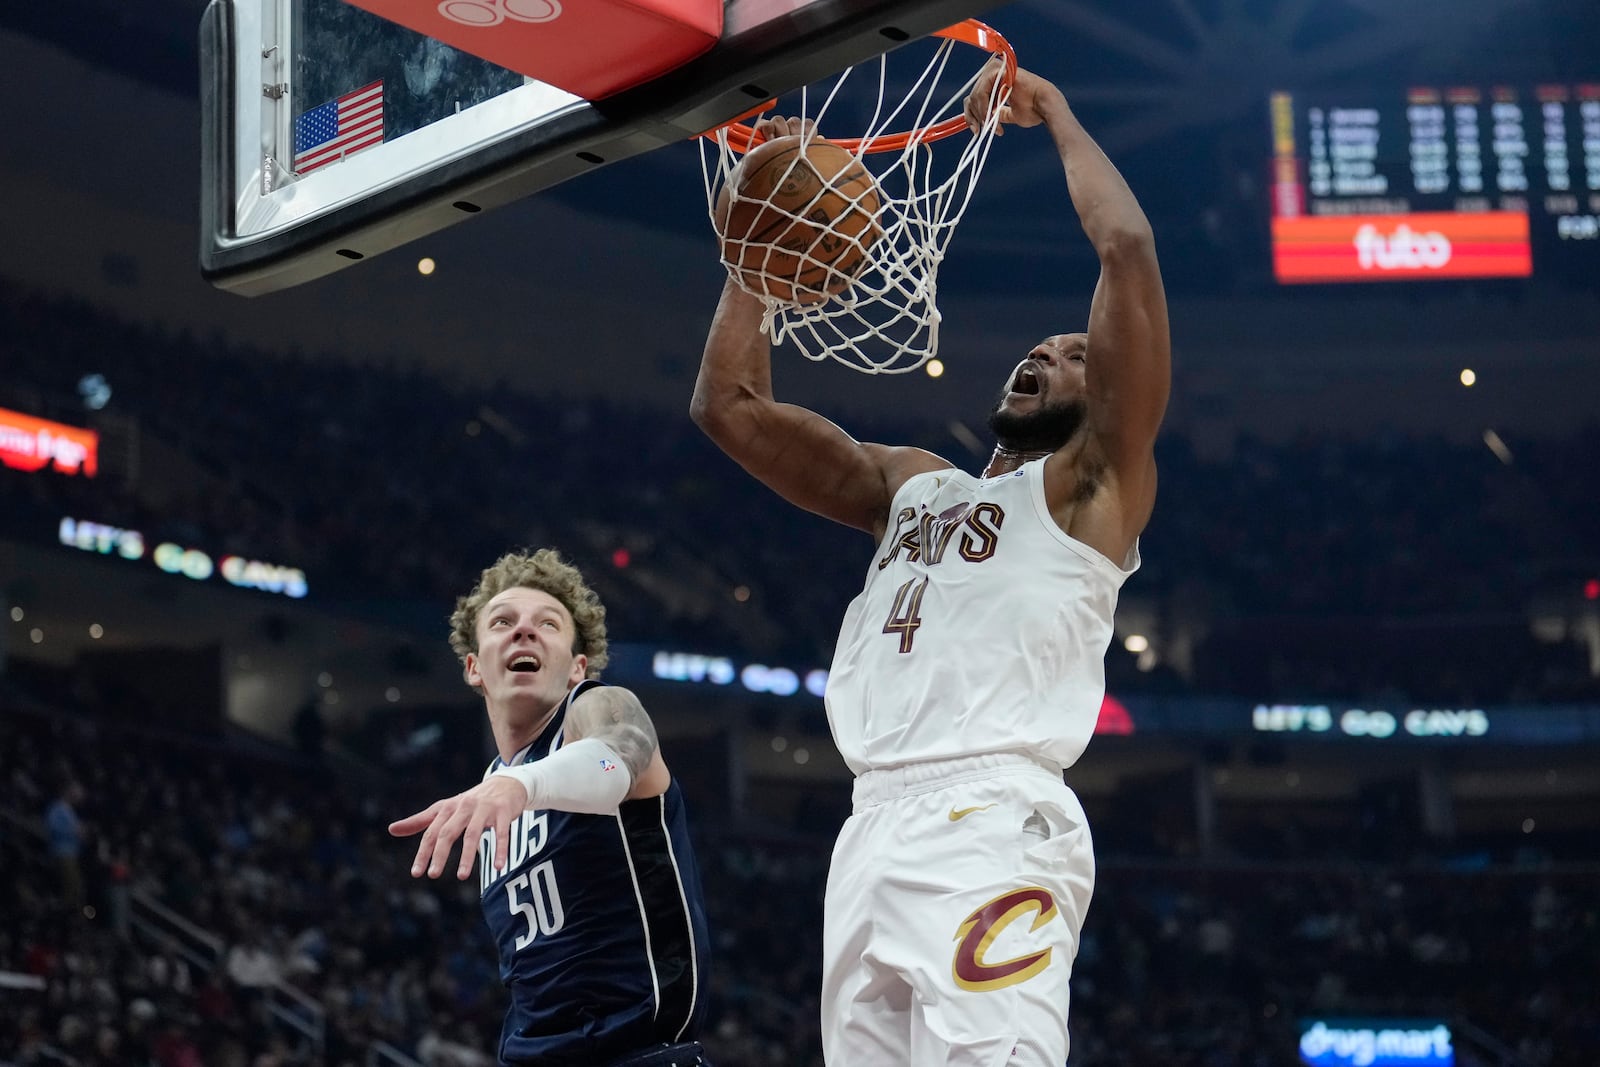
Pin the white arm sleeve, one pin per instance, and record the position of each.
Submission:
(585, 776)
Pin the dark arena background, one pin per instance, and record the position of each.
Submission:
(1345, 792)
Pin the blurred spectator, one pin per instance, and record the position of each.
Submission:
(66, 842)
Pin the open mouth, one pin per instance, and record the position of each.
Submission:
(525, 665)
(1027, 381)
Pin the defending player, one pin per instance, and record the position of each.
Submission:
(589, 883)
(970, 669)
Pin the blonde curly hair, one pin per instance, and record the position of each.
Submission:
(544, 570)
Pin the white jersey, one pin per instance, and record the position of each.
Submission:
(983, 627)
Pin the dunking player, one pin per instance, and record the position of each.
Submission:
(588, 879)
(970, 669)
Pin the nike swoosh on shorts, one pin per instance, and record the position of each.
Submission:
(957, 814)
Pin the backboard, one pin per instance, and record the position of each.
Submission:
(330, 135)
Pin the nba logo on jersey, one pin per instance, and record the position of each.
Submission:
(607, 765)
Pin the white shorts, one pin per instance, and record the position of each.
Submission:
(955, 898)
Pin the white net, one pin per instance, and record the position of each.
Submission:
(829, 287)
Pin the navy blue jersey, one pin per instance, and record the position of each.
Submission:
(600, 925)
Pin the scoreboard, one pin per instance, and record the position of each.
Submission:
(1446, 182)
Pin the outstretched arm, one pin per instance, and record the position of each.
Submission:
(797, 453)
(609, 755)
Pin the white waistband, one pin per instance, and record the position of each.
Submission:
(906, 779)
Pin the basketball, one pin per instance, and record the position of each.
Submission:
(796, 220)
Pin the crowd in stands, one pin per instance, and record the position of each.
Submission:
(288, 867)
(1312, 569)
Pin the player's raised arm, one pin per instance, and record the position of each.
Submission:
(797, 453)
(1128, 371)
(1129, 365)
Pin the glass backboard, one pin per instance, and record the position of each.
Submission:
(331, 135)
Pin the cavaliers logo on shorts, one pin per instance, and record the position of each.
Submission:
(971, 967)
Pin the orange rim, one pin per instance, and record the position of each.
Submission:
(742, 137)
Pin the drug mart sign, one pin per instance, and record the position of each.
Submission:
(1376, 1043)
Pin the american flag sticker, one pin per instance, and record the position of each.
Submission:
(607, 765)
(342, 127)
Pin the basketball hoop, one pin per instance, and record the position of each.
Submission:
(886, 320)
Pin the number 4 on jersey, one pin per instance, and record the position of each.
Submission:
(909, 600)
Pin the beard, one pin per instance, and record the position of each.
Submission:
(1044, 429)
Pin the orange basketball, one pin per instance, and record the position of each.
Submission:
(796, 223)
